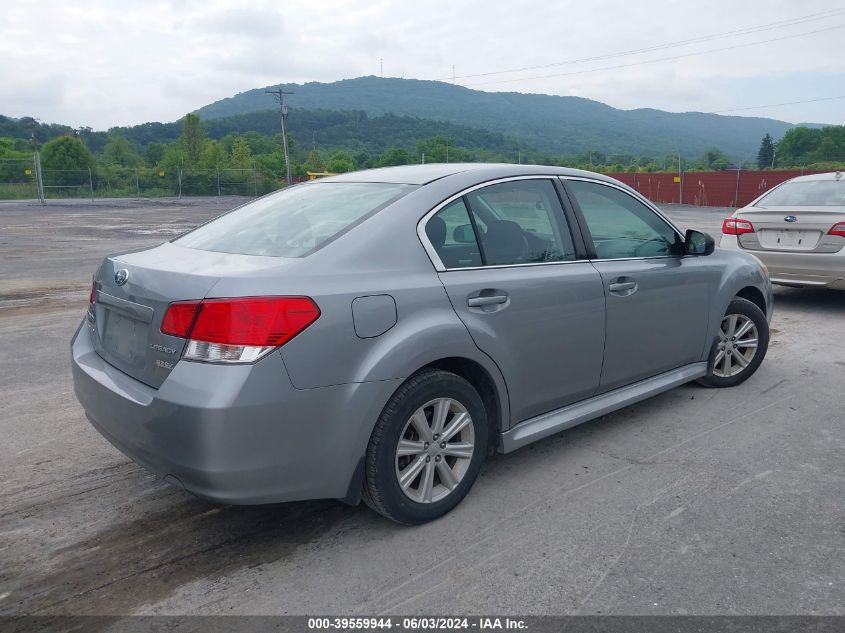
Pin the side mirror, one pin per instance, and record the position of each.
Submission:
(698, 243)
(463, 234)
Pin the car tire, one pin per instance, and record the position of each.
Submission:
(416, 471)
(741, 345)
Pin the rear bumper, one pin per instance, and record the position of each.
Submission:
(233, 434)
(798, 269)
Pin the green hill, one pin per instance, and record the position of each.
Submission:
(357, 131)
(327, 129)
(559, 125)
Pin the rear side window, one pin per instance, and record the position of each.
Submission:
(521, 222)
(621, 226)
(450, 233)
(294, 222)
(806, 193)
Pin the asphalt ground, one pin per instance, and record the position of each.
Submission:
(696, 501)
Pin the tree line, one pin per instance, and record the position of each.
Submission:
(254, 159)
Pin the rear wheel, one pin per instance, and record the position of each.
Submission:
(426, 449)
(741, 346)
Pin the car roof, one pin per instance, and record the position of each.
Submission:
(830, 175)
(424, 174)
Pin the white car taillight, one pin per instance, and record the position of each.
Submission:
(837, 229)
(734, 226)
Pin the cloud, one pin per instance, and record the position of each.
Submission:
(246, 22)
(103, 63)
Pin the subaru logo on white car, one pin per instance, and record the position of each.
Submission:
(121, 276)
(790, 218)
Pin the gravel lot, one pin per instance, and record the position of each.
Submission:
(694, 502)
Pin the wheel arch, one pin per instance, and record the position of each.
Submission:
(478, 376)
(754, 295)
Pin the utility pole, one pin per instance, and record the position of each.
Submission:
(39, 177)
(381, 66)
(280, 95)
(680, 181)
(736, 193)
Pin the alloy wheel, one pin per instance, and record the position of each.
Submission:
(435, 450)
(737, 345)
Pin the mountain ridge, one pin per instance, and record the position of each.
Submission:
(550, 123)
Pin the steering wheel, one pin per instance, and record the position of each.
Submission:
(645, 243)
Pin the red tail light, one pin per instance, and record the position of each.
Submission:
(837, 229)
(238, 330)
(92, 294)
(179, 318)
(735, 226)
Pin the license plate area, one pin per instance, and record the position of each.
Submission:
(123, 337)
(789, 240)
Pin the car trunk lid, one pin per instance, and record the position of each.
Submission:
(791, 229)
(133, 292)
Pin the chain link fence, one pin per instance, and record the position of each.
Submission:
(24, 179)
(17, 179)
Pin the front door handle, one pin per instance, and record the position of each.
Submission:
(622, 287)
(477, 302)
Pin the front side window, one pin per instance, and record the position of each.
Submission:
(521, 222)
(294, 222)
(621, 226)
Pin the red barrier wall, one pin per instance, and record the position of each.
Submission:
(707, 188)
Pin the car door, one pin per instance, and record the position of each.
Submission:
(657, 298)
(507, 259)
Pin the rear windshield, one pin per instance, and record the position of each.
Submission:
(294, 222)
(807, 193)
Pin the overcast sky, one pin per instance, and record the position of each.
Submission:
(100, 63)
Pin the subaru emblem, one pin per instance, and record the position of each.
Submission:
(121, 276)
(790, 218)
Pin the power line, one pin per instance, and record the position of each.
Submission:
(745, 31)
(756, 107)
(774, 105)
(659, 59)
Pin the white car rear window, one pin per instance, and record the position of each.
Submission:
(806, 193)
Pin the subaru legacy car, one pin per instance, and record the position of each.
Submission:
(373, 335)
(797, 229)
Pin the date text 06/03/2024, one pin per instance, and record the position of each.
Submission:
(417, 623)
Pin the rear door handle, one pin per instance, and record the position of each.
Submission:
(477, 302)
(622, 287)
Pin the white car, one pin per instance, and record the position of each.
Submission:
(797, 230)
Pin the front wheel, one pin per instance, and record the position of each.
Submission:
(741, 346)
(426, 449)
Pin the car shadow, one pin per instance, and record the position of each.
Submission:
(161, 540)
(821, 299)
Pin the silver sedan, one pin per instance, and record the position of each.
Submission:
(797, 229)
(371, 336)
